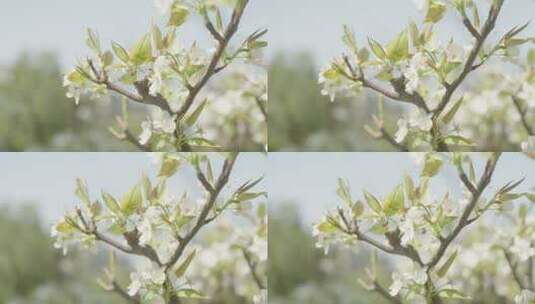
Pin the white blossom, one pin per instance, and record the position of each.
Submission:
(522, 248)
(525, 297)
(146, 278)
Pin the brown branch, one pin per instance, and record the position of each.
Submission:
(489, 25)
(400, 147)
(132, 246)
(393, 94)
(221, 182)
(523, 116)
(385, 294)
(393, 248)
(464, 220)
(142, 96)
(128, 136)
(262, 107)
(212, 66)
(253, 269)
(121, 292)
(514, 270)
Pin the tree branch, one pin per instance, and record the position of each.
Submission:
(514, 270)
(489, 25)
(253, 269)
(121, 292)
(523, 117)
(385, 135)
(464, 220)
(222, 180)
(220, 50)
(385, 294)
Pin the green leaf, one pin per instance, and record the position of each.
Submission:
(64, 227)
(326, 227)
(452, 294)
(444, 268)
(192, 119)
(120, 52)
(92, 40)
(181, 270)
(141, 52)
(398, 49)
(81, 192)
(132, 201)
(349, 39)
(408, 183)
(379, 228)
(358, 209)
(190, 294)
(343, 191)
(531, 57)
(248, 196)
(435, 12)
(179, 15)
(169, 38)
(395, 201)
(261, 211)
(377, 49)
(111, 203)
(451, 113)
(432, 166)
(107, 58)
(157, 39)
(168, 167)
(373, 202)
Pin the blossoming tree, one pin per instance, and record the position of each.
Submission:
(179, 244)
(418, 70)
(173, 79)
(443, 247)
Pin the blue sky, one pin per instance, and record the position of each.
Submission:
(295, 25)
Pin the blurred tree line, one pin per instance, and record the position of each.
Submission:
(300, 118)
(33, 271)
(300, 273)
(35, 114)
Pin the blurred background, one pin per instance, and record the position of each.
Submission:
(38, 188)
(302, 188)
(307, 35)
(43, 40)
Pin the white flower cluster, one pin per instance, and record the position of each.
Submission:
(416, 68)
(412, 223)
(150, 222)
(169, 76)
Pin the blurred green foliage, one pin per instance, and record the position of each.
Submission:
(301, 119)
(35, 114)
(32, 271)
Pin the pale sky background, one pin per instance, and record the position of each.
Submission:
(295, 25)
(309, 179)
(60, 25)
(316, 25)
(48, 179)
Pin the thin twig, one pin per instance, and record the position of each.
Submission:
(385, 294)
(222, 180)
(523, 116)
(212, 66)
(253, 269)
